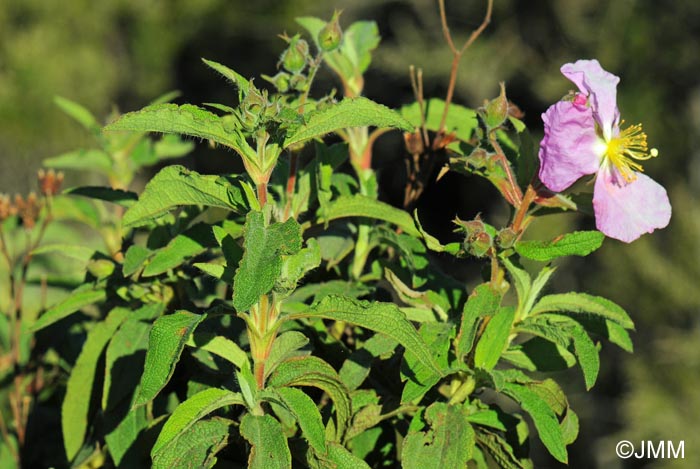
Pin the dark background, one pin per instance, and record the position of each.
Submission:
(126, 52)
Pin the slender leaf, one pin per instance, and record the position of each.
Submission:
(385, 318)
(269, 445)
(165, 343)
(82, 160)
(195, 447)
(107, 194)
(77, 112)
(220, 346)
(175, 186)
(192, 242)
(235, 78)
(76, 403)
(193, 409)
(582, 303)
(78, 299)
(262, 258)
(123, 360)
(350, 112)
(482, 302)
(494, 339)
(363, 206)
(578, 243)
(305, 411)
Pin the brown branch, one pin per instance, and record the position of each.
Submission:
(457, 54)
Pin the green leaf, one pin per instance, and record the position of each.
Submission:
(582, 303)
(165, 343)
(500, 450)
(363, 206)
(340, 457)
(357, 366)
(296, 266)
(448, 443)
(460, 120)
(235, 78)
(115, 196)
(494, 339)
(385, 318)
(262, 258)
(192, 242)
(122, 362)
(269, 445)
(543, 417)
(134, 258)
(82, 160)
(305, 411)
(125, 434)
(79, 253)
(175, 186)
(578, 243)
(76, 403)
(285, 346)
(196, 447)
(79, 298)
(193, 409)
(312, 371)
(482, 302)
(220, 346)
(350, 112)
(77, 112)
(421, 379)
(184, 120)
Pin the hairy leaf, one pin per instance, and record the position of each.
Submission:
(76, 403)
(165, 343)
(195, 447)
(193, 409)
(482, 302)
(262, 258)
(350, 112)
(192, 242)
(306, 413)
(79, 298)
(363, 206)
(578, 243)
(175, 186)
(269, 445)
(582, 303)
(493, 341)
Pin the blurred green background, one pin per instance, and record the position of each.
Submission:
(126, 52)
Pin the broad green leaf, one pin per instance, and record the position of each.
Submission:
(340, 457)
(543, 417)
(482, 302)
(582, 303)
(107, 194)
(79, 298)
(193, 409)
(296, 266)
(165, 343)
(578, 243)
(192, 242)
(363, 206)
(285, 346)
(184, 120)
(196, 447)
(76, 403)
(77, 252)
(460, 120)
(262, 258)
(269, 445)
(82, 160)
(77, 112)
(123, 360)
(235, 78)
(357, 366)
(350, 112)
(500, 450)
(220, 346)
(305, 411)
(419, 378)
(448, 443)
(312, 371)
(175, 186)
(385, 318)
(170, 146)
(134, 258)
(125, 434)
(493, 341)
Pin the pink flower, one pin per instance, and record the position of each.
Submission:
(583, 136)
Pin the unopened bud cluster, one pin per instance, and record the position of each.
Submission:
(478, 241)
(28, 208)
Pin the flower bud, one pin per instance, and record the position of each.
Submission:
(298, 82)
(331, 34)
(49, 182)
(294, 57)
(506, 238)
(496, 110)
(479, 244)
(281, 81)
(100, 268)
(28, 210)
(414, 142)
(6, 208)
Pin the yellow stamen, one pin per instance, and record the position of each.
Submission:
(630, 145)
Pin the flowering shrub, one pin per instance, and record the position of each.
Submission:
(287, 316)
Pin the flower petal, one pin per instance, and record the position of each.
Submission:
(601, 88)
(625, 211)
(568, 149)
